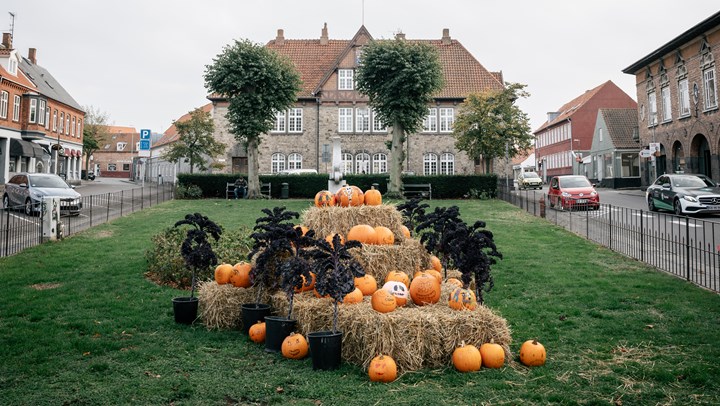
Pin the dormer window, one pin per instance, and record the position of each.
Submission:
(12, 67)
(121, 146)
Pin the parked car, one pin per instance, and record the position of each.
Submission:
(29, 189)
(683, 194)
(572, 191)
(529, 180)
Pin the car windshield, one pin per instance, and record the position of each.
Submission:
(574, 182)
(47, 181)
(688, 181)
(530, 175)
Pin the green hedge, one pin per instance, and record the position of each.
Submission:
(307, 185)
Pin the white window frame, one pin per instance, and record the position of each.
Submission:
(683, 98)
(345, 119)
(362, 163)
(280, 120)
(55, 119)
(710, 89)
(379, 163)
(347, 163)
(41, 112)
(652, 109)
(4, 97)
(430, 123)
(362, 120)
(61, 124)
(79, 131)
(121, 146)
(72, 128)
(430, 164)
(295, 120)
(377, 125)
(16, 108)
(666, 106)
(447, 164)
(67, 124)
(447, 119)
(277, 162)
(294, 161)
(112, 167)
(600, 134)
(32, 114)
(47, 118)
(346, 79)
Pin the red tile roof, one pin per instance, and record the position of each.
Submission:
(116, 129)
(569, 108)
(171, 134)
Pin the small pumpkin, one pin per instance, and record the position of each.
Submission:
(435, 262)
(405, 231)
(257, 332)
(398, 276)
(462, 299)
(362, 232)
(367, 284)
(294, 346)
(373, 197)
(384, 236)
(240, 277)
(493, 355)
(399, 290)
(532, 353)
(382, 369)
(383, 301)
(324, 198)
(454, 282)
(353, 297)
(223, 272)
(425, 289)
(467, 358)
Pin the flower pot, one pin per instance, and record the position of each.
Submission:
(185, 309)
(252, 313)
(276, 330)
(325, 349)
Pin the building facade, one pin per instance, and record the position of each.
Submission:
(116, 154)
(678, 103)
(40, 123)
(614, 160)
(329, 105)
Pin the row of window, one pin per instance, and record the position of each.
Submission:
(433, 164)
(709, 93)
(554, 135)
(39, 112)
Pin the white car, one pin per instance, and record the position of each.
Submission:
(529, 180)
(29, 189)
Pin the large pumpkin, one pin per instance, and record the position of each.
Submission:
(462, 299)
(362, 232)
(353, 297)
(425, 289)
(223, 272)
(240, 277)
(382, 369)
(398, 276)
(383, 236)
(383, 301)
(532, 353)
(324, 198)
(367, 284)
(399, 290)
(294, 346)
(493, 355)
(467, 358)
(257, 332)
(373, 197)
(349, 196)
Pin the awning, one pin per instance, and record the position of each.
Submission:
(26, 148)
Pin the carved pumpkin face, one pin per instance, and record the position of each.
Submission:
(257, 332)
(349, 196)
(324, 198)
(382, 369)
(399, 290)
(466, 358)
(367, 284)
(425, 289)
(398, 276)
(294, 346)
(383, 301)
(462, 299)
(383, 236)
(240, 277)
(353, 297)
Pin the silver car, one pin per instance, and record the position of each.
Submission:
(29, 189)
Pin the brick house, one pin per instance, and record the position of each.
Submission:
(677, 93)
(116, 153)
(40, 123)
(567, 135)
(329, 105)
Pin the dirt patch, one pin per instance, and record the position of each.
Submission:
(45, 286)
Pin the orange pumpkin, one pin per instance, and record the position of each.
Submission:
(462, 299)
(367, 284)
(294, 346)
(324, 198)
(383, 301)
(356, 296)
(398, 276)
(303, 228)
(223, 272)
(467, 358)
(532, 353)
(425, 289)
(373, 197)
(434, 273)
(363, 233)
(240, 277)
(257, 332)
(405, 231)
(493, 355)
(435, 262)
(329, 238)
(383, 236)
(397, 289)
(454, 282)
(307, 285)
(382, 369)
(349, 196)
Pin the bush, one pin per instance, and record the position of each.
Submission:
(166, 265)
(188, 192)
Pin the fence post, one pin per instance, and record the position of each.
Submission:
(122, 195)
(642, 238)
(91, 213)
(610, 226)
(7, 231)
(687, 248)
(107, 217)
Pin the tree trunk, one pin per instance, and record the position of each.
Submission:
(397, 156)
(253, 169)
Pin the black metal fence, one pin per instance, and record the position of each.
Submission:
(19, 231)
(686, 247)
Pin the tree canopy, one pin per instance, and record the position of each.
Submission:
(399, 78)
(195, 141)
(257, 83)
(95, 133)
(490, 122)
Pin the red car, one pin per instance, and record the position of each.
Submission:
(572, 191)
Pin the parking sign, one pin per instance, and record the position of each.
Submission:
(144, 143)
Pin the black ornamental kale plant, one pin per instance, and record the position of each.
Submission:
(196, 249)
(412, 212)
(435, 231)
(335, 270)
(295, 270)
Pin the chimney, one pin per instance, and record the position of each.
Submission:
(7, 40)
(324, 35)
(446, 36)
(31, 55)
(400, 35)
(280, 39)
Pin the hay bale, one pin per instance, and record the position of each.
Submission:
(378, 260)
(335, 219)
(220, 304)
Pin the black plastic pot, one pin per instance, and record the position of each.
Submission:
(252, 313)
(325, 349)
(276, 330)
(185, 309)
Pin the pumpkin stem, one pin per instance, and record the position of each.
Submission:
(535, 342)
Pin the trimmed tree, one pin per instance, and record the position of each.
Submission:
(95, 133)
(399, 78)
(195, 141)
(257, 83)
(489, 125)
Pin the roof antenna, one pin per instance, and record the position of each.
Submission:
(12, 25)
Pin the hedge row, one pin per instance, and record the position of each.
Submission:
(307, 185)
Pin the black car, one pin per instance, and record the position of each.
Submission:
(684, 194)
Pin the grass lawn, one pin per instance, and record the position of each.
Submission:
(80, 325)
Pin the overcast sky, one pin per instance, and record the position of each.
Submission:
(142, 61)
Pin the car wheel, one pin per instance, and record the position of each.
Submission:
(651, 204)
(678, 207)
(28, 207)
